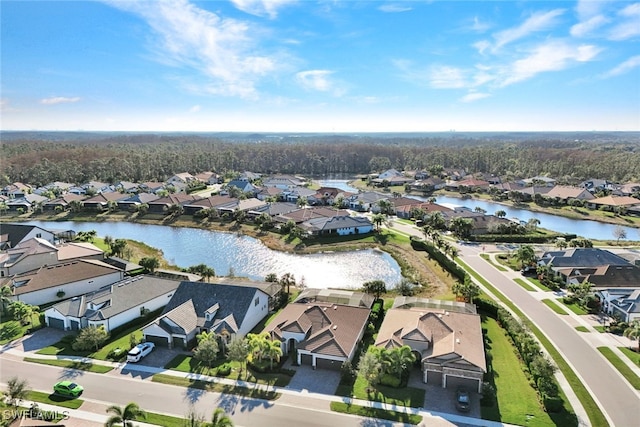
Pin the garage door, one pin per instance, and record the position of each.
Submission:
(334, 365)
(75, 325)
(455, 382)
(305, 359)
(55, 323)
(434, 378)
(161, 341)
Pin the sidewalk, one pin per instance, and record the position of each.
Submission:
(97, 412)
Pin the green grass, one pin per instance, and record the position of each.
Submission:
(163, 420)
(622, 367)
(403, 396)
(631, 354)
(596, 417)
(186, 363)
(384, 414)
(574, 307)
(507, 374)
(254, 393)
(54, 399)
(539, 284)
(71, 364)
(553, 306)
(525, 285)
(601, 329)
(487, 258)
(12, 329)
(582, 329)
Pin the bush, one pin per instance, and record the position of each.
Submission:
(390, 381)
(552, 404)
(488, 394)
(223, 370)
(117, 354)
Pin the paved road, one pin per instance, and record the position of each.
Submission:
(616, 398)
(120, 388)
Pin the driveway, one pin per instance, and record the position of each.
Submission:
(306, 379)
(39, 339)
(438, 399)
(158, 358)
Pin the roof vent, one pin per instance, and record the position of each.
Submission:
(457, 340)
(335, 327)
(335, 307)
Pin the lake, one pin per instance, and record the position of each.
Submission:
(247, 256)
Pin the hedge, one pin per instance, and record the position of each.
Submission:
(435, 253)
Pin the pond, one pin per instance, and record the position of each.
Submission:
(246, 256)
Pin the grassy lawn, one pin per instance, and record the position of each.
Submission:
(507, 375)
(622, 367)
(12, 329)
(364, 411)
(54, 399)
(575, 308)
(404, 396)
(163, 420)
(633, 355)
(487, 258)
(121, 340)
(596, 417)
(582, 329)
(525, 285)
(71, 364)
(254, 393)
(539, 284)
(600, 329)
(185, 363)
(553, 306)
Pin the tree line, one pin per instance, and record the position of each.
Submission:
(139, 158)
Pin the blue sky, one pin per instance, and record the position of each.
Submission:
(320, 66)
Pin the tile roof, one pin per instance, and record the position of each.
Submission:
(330, 329)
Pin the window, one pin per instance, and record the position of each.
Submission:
(39, 235)
(257, 301)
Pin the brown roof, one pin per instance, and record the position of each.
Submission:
(616, 201)
(73, 250)
(449, 333)
(330, 329)
(569, 192)
(306, 214)
(55, 275)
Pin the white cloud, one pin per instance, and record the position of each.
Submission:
(585, 28)
(482, 46)
(319, 80)
(195, 109)
(394, 8)
(225, 51)
(479, 26)
(625, 67)
(536, 22)
(267, 8)
(59, 100)
(474, 96)
(551, 56)
(630, 25)
(445, 77)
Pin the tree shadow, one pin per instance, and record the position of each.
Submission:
(193, 395)
(72, 372)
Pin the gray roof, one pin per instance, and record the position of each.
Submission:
(582, 257)
(336, 223)
(114, 299)
(233, 300)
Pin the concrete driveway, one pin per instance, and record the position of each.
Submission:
(39, 339)
(308, 380)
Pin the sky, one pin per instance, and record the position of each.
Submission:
(320, 66)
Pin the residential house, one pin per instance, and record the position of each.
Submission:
(209, 178)
(269, 193)
(127, 187)
(227, 310)
(321, 334)
(340, 225)
(335, 296)
(595, 185)
(51, 283)
(567, 193)
(244, 186)
(329, 196)
(297, 193)
(16, 190)
(613, 202)
(14, 234)
(96, 187)
(112, 306)
(273, 209)
(62, 202)
(408, 211)
(249, 176)
(538, 181)
(213, 202)
(102, 201)
(301, 215)
(26, 256)
(132, 202)
(629, 189)
(390, 173)
(162, 205)
(428, 185)
(181, 178)
(468, 184)
(623, 304)
(27, 203)
(283, 182)
(367, 201)
(152, 187)
(454, 174)
(446, 339)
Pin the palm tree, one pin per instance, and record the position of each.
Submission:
(397, 360)
(208, 273)
(633, 332)
(273, 350)
(500, 214)
(258, 343)
(220, 419)
(378, 219)
(124, 416)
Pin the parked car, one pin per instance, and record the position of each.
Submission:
(67, 388)
(140, 351)
(528, 271)
(463, 400)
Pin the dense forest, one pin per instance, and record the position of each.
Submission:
(39, 158)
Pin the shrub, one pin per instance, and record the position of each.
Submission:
(223, 370)
(552, 404)
(116, 354)
(390, 381)
(488, 394)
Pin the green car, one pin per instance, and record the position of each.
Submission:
(68, 388)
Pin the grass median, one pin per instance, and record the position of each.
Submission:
(254, 393)
(364, 411)
(622, 367)
(71, 364)
(54, 399)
